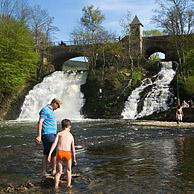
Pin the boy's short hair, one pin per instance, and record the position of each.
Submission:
(65, 123)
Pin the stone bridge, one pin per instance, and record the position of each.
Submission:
(161, 44)
(141, 47)
(60, 54)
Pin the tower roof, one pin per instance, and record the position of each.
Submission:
(136, 21)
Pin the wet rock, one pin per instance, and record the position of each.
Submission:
(10, 189)
(19, 189)
(45, 182)
(48, 181)
(30, 185)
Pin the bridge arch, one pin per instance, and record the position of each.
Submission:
(153, 50)
(161, 44)
(60, 54)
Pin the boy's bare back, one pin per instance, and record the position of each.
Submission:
(65, 140)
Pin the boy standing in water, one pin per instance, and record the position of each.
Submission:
(47, 129)
(179, 114)
(65, 152)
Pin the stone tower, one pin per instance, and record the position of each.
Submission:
(136, 38)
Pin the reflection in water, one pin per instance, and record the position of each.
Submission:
(151, 163)
(113, 157)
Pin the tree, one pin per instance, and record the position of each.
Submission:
(18, 60)
(189, 63)
(90, 29)
(92, 21)
(18, 9)
(176, 17)
(42, 27)
(91, 32)
(125, 22)
(37, 19)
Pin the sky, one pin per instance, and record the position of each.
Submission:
(67, 13)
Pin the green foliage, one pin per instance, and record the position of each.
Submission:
(154, 57)
(188, 66)
(186, 77)
(186, 87)
(90, 29)
(92, 18)
(113, 48)
(18, 60)
(189, 84)
(136, 75)
(152, 33)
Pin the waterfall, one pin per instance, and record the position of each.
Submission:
(64, 85)
(152, 95)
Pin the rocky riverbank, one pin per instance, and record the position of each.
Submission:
(32, 187)
(170, 115)
(168, 124)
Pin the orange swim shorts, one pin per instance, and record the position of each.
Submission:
(63, 155)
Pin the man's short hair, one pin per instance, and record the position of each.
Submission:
(65, 123)
(57, 100)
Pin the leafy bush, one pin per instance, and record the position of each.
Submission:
(137, 75)
(189, 63)
(186, 88)
(18, 59)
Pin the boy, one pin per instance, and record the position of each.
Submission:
(65, 152)
(47, 129)
(179, 114)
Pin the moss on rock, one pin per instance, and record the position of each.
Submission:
(105, 94)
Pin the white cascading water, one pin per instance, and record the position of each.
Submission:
(156, 99)
(64, 85)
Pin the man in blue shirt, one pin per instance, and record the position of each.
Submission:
(47, 129)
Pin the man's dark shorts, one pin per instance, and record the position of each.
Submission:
(47, 141)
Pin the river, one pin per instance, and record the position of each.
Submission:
(113, 157)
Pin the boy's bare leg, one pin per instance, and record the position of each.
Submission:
(54, 165)
(44, 164)
(68, 171)
(58, 174)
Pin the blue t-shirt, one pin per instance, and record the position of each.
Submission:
(49, 125)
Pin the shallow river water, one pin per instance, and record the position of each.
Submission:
(113, 157)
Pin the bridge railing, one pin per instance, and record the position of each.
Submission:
(84, 42)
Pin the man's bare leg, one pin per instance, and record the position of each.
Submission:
(44, 164)
(54, 165)
(58, 174)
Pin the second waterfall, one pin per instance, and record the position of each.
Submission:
(153, 95)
